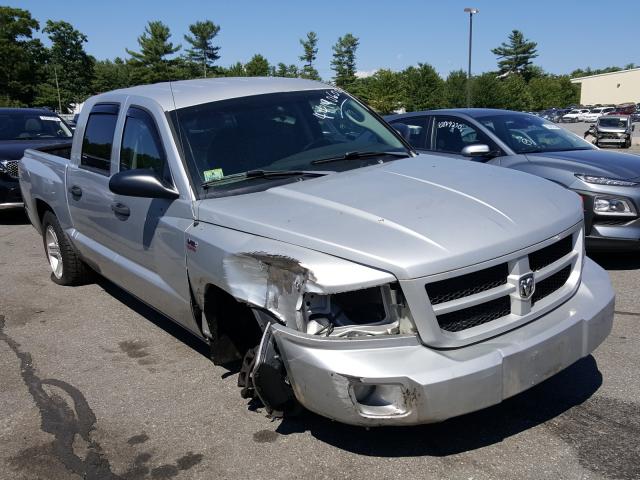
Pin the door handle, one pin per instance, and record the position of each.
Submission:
(76, 191)
(120, 209)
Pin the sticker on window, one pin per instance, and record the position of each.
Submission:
(52, 119)
(215, 174)
(550, 126)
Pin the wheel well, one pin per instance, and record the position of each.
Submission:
(41, 208)
(233, 326)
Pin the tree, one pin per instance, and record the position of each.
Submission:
(202, 50)
(455, 89)
(310, 47)
(552, 91)
(487, 91)
(20, 57)
(382, 91)
(235, 70)
(516, 95)
(515, 55)
(422, 88)
(258, 66)
(283, 70)
(69, 69)
(344, 61)
(151, 63)
(110, 75)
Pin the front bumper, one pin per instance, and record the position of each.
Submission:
(10, 196)
(417, 384)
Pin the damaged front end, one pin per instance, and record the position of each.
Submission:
(285, 292)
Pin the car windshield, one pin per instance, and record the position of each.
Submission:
(612, 122)
(30, 125)
(312, 130)
(530, 134)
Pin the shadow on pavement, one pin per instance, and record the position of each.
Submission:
(14, 216)
(544, 402)
(153, 316)
(616, 260)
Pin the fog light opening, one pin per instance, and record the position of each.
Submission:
(379, 400)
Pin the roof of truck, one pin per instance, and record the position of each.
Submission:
(194, 92)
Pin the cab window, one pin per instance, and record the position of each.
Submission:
(141, 146)
(98, 138)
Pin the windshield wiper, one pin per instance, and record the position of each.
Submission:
(358, 155)
(250, 174)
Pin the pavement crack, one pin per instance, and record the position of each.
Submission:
(65, 421)
(62, 420)
(620, 312)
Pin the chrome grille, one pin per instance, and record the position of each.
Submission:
(472, 299)
(12, 168)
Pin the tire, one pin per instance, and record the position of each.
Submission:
(66, 266)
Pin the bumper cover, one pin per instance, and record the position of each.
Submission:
(417, 384)
(10, 196)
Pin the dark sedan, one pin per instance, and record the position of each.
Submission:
(22, 128)
(608, 182)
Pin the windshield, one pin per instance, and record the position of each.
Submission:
(30, 125)
(531, 134)
(281, 132)
(612, 122)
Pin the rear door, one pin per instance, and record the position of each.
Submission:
(88, 194)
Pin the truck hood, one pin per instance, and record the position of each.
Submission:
(624, 166)
(412, 217)
(14, 149)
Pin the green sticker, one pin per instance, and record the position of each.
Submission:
(215, 174)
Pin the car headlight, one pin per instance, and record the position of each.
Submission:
(596, 180)
(3, 166)
(613, 206)
(366, 312)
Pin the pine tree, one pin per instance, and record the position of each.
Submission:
(344, 61)
(310, 47)
(202, 50)
(151, 63)
(258, 66)
(515, 55)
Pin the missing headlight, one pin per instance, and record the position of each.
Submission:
(370, 311)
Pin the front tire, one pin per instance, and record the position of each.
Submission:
(66, 266)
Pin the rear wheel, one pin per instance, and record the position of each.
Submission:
(66, 266)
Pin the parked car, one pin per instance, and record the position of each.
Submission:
(574, 115)
(596, 113)
(623, 109)
(22, 128)
(613, 130)
(284, 223)
(607, 181)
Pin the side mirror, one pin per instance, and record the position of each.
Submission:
(140, 183)
(477, 150)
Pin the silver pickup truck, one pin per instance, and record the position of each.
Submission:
(286, 225)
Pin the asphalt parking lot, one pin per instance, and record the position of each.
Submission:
(97, 386)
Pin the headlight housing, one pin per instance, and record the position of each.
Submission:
(597, 180)
(616, 206)
(367, 312)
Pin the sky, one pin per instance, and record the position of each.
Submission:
(570, 33)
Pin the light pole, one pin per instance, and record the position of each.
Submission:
(471, 12)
